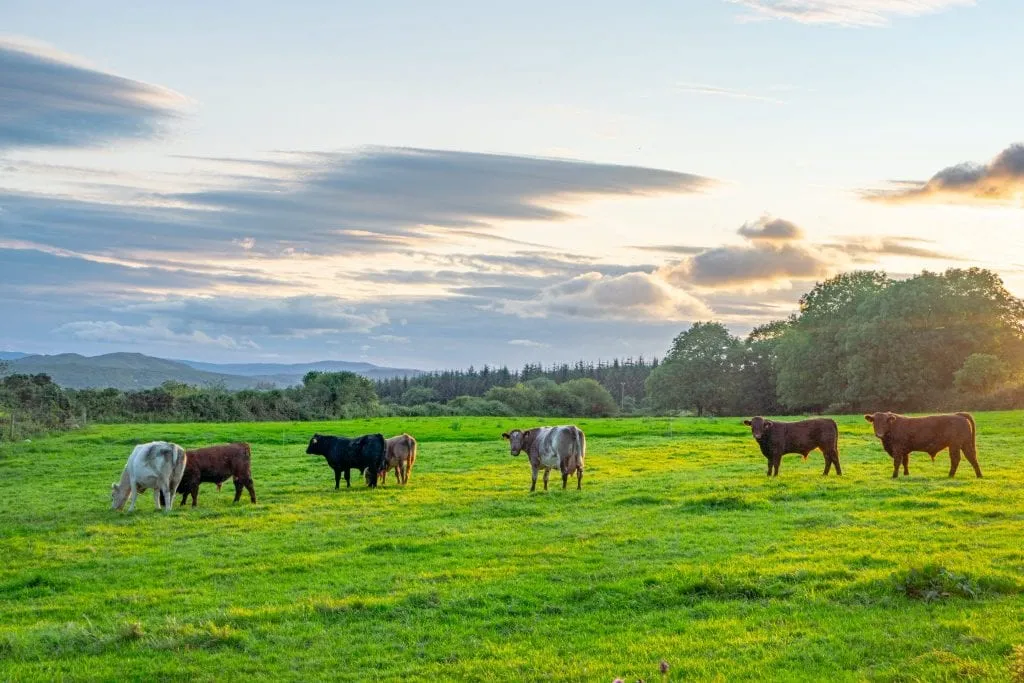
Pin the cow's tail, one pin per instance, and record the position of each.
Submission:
(580, 447)
(411, 442)
(974, 430)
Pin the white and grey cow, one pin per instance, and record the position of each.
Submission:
(157, 465)
(564, 447)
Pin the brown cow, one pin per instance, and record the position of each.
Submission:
(400, 456)
(778, 438)
(900, 435)
(215, 464)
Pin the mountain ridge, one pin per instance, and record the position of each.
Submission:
(136, 371)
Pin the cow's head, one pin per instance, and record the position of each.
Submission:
(758, 426)
(118, 496)
(315, 447)
(515, 440)
(882, 423)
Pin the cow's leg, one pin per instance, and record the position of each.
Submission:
(195, 495)
(769, 467)
(828, 462)
(579, 478)
(565, 480)
(348, 478)
(972, 457)
(777, 461)
(170, 504)
(897, 458)
(238, 490)
(250, 486)
(954, 460)
(835, 461)
(906, 464)
(158, 497)
(533, 482)
(547, 471)
(337, 479)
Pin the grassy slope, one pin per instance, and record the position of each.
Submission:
(677, 548)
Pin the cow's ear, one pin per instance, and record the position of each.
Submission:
(869, 418)
(505, 435)
(890, 418)
(113, 486)
(768, 423)
(746, 422)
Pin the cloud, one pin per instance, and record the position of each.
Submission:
(380, 199)
(771, 230)
(630, 296)
(529, 343)
(109, 331)
(52, 100)
(845, 12)
(299, 316)
(669, 248)
(761, 264)
(390, 339)
(999, 181)
(777, 253)
(699, 89)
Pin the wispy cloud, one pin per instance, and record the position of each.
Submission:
(998, 182)
(529, 343)
(845, 12)
(53, 100)
(715, 91)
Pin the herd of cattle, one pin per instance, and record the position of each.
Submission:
(167, 468)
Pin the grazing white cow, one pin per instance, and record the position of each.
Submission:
(157, 465)
(564, 447)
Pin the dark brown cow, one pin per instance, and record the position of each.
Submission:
(778, 438)
(901, 435)
(216, 464)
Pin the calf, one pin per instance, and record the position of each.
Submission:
(778, 438)
(216, 464)
(364, 453)
(901, 435)
(157, 465)
(400, 456)
(563, 447)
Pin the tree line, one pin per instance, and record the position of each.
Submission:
(860, 341)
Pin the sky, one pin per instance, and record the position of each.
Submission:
(436, 185)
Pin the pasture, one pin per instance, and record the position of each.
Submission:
(678, 548)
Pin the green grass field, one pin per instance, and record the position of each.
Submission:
(678, 548)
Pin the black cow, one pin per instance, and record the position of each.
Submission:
(343, 454)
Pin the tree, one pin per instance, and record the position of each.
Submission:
(981, 373)
(417, 395)
(594, 399)
(811, 356)
(698, 372)
(334, 394)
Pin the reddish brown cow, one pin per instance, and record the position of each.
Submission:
(216, 464)
(901, 435)
(778, 438)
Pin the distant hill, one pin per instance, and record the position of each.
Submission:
(133, 371)
(11, 355)
(299, 369)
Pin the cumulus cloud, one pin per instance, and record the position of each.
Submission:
(52, 100)
(999, 181)
(154, 332)
(776, 253)
(845, 12)
(630, 296)
(771, 230)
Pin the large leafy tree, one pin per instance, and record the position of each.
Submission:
(699, 371)
(812, 355)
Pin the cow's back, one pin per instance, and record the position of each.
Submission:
(932, 433)
(553, 446)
